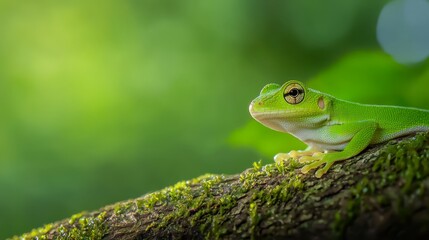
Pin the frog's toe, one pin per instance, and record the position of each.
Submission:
(319, 173)
(322, 171)
(308, 159)
(294, 154)
(312, 166)
(305, 169)
(319, 154)
(279, 157)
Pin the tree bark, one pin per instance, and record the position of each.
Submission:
(380, 194)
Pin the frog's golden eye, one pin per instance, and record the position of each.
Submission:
(294, 93)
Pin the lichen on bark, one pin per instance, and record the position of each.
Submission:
(375, 195)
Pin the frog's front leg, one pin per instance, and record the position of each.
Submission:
(363, 134)
(303, 156)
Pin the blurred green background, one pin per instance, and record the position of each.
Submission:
(101, 102)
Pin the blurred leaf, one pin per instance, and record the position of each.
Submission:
(266, 141)
(371, 77)
(320, 23)
(416, 91)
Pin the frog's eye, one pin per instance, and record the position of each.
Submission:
(294, 93)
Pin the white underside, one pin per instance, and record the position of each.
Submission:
(321, 138)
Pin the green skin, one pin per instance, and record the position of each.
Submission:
(333, 129)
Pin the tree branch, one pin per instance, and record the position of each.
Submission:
(380, 194)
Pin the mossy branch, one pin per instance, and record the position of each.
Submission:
(380, 194)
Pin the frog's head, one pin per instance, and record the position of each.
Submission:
(290, 106)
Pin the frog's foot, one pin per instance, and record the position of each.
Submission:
(280, 157)
(314, 157)
(301, 156)
(319, 173)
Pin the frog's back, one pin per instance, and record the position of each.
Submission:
(400, 121)
(393, 121)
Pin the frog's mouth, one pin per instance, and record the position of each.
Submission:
(288, 121)
(264, 114)
(273, 120)
(259, 112)
(260, 116)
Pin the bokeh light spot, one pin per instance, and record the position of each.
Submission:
(403, 30)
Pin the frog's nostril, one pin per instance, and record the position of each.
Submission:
(255, 104)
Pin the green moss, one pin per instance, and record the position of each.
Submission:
(121, 208)
(280, 166)
(406, 160)
(226, 203)
(38, 233)
(254, 218)
(281, 192)
(207, 209)
(152, 199)
(201, 178)
(92, 227)
(79, 228)
(208, 182)
(402, 163)
(249, 178)
(201, 203)
(173, 193)
(75, 217)
(257, 166)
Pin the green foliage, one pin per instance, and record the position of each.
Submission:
(266, 141)
(316, 23)
(372, 77)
